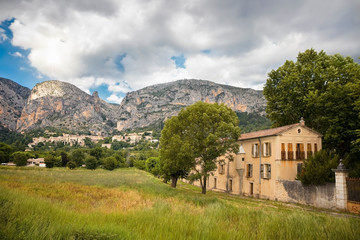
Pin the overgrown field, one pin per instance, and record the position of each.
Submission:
(131, 204)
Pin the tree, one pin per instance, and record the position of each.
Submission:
(91, 162)
(78, 156)
(71, 165)
(64, 159)
(97, 153)
(152, 165)
(110, 163)
(317, 169)
(20, 158)
(50, 161)
(5, 151)
(194, 140)
(322, 89)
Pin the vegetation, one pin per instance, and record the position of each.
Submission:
(324, 89)
(131, 204)
(194, 140)
(250, 122)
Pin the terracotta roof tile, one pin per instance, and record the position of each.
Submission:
(267, 132)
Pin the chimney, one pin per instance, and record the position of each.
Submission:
(302, 122)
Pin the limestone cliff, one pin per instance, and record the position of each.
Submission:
(13, 99)
(156, 103)
(62, 105)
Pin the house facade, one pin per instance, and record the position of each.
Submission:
(264, 158)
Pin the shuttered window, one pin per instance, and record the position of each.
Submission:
(290, 151)
(255, 150)
(266, 149)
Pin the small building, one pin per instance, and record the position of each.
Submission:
(264, 158)
(40, 162)
(106, 145)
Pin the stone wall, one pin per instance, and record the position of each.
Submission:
(323, 196)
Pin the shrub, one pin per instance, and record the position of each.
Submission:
(91, 162)
(152, 165)
(318, 169)
(71, 165)
(140, 164)
(110, 163)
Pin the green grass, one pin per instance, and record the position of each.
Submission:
(131, 204)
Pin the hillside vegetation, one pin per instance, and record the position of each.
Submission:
(131, 204)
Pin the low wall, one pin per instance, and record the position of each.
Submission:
(322, 196)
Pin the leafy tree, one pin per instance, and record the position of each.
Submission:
(152, 165)
(317, 169)
(324, 89)
(110, 163)
(64, 159)
(88, 142)
(78, 156)
(139, 164)
(97, 152)
(91, 162)
(5, 151)
(196, 138)
(20, 158)
(71, 165)
(116, 145)
(121, 160)
(50, 161)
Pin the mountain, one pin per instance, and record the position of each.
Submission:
(13, 99)
(62, 105)
(158, 102)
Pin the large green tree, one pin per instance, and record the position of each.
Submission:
(195, 139)
(322, 89)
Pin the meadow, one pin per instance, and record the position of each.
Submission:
(131, 204)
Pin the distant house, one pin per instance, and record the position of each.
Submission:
(106, 145)
(40, 162)
(264, 158)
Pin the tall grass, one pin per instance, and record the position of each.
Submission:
(131, 204)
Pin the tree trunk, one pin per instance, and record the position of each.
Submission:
(204, 186)
(173, 181)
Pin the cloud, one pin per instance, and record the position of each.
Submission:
(115, 99)
(3, 36)
(16, 54)
(130, 45)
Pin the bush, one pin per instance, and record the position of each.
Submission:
(152, 165)
(91, 162)
(71, 165)
(20, 158)
(50, 161)
(140, 164)
(110, 163)
(121, 161)
(318, 169)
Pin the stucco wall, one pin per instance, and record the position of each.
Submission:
(294, 191)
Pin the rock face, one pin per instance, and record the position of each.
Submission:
(13, 99)
(156, 103)
(62, 105)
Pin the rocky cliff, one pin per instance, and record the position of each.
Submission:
(62, 105)
(156, 103)
(13, 99)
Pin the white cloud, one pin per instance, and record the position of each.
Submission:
(3, 36)
(80, 41)
(16, 54)
(115, 99)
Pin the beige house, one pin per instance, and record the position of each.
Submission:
(264, 158)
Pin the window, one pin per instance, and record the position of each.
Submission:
(265, 171)
(249, 168)
(241, 149)
(299, 168)
(215, 182)
(266, 150)
(221, 169)
(242, 159)
(283, 151)
(309, 152)
(230, 185)
(290, 152)
(255, 150)
(315, 147)
(300, 154)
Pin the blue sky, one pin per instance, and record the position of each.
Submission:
(115, 47)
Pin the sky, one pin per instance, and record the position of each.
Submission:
(117, 46)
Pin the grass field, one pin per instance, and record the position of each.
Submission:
(131, 204)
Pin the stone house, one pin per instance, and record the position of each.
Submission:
(265, 158)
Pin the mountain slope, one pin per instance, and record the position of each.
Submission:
(158, 102)
(62, 105)
(13, 98)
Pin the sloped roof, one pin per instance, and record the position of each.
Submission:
(273, 131)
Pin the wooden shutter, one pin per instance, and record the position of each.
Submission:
(269, 171)
(262, 170)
